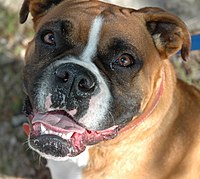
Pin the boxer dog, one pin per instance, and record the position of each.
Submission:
(103, 95)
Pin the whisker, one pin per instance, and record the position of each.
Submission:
(25, 142)
(28, 148)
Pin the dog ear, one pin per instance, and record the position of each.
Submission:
(169, 32)
(36, 8)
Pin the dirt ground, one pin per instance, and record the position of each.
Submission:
(16, 159)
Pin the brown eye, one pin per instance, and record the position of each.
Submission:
(124, 60)
(49, 38)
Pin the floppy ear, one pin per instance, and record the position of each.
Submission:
(169, 32)
(36, 8)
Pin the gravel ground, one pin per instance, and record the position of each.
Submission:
(16, 160)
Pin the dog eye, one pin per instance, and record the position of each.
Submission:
(49, 38)
(125, 60)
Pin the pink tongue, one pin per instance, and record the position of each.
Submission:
(58, 120)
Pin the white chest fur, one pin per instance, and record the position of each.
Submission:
(69, 169)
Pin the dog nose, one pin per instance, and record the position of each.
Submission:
(62, 74)
(76, 77)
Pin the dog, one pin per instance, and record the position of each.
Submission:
(102, 94)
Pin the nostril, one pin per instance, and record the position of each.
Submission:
(86, 86)
(62, 75)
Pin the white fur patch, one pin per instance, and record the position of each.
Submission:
(94, 36)
(99, 103)
(70, 169)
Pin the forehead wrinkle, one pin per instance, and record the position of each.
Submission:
(93, 39)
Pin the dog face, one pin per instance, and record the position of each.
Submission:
(89, 71)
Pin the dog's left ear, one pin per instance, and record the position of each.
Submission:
(36, 8)
(169, 32)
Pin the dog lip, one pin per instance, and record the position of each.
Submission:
(55, 144)
(72, 140)
(63, 131)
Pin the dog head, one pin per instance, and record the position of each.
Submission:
(91, 69)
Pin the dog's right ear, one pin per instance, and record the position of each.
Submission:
(36, 7)
(169, 32)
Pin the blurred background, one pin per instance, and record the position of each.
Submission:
(16, 160)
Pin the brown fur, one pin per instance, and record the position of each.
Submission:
(167, 143)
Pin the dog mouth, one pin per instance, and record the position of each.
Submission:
(55, 134)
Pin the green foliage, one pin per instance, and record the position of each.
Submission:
(13, 34)
(8, 23)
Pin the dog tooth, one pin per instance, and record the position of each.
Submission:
(43, 129)
(68, 135)
(64, 136)
(50, 132)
